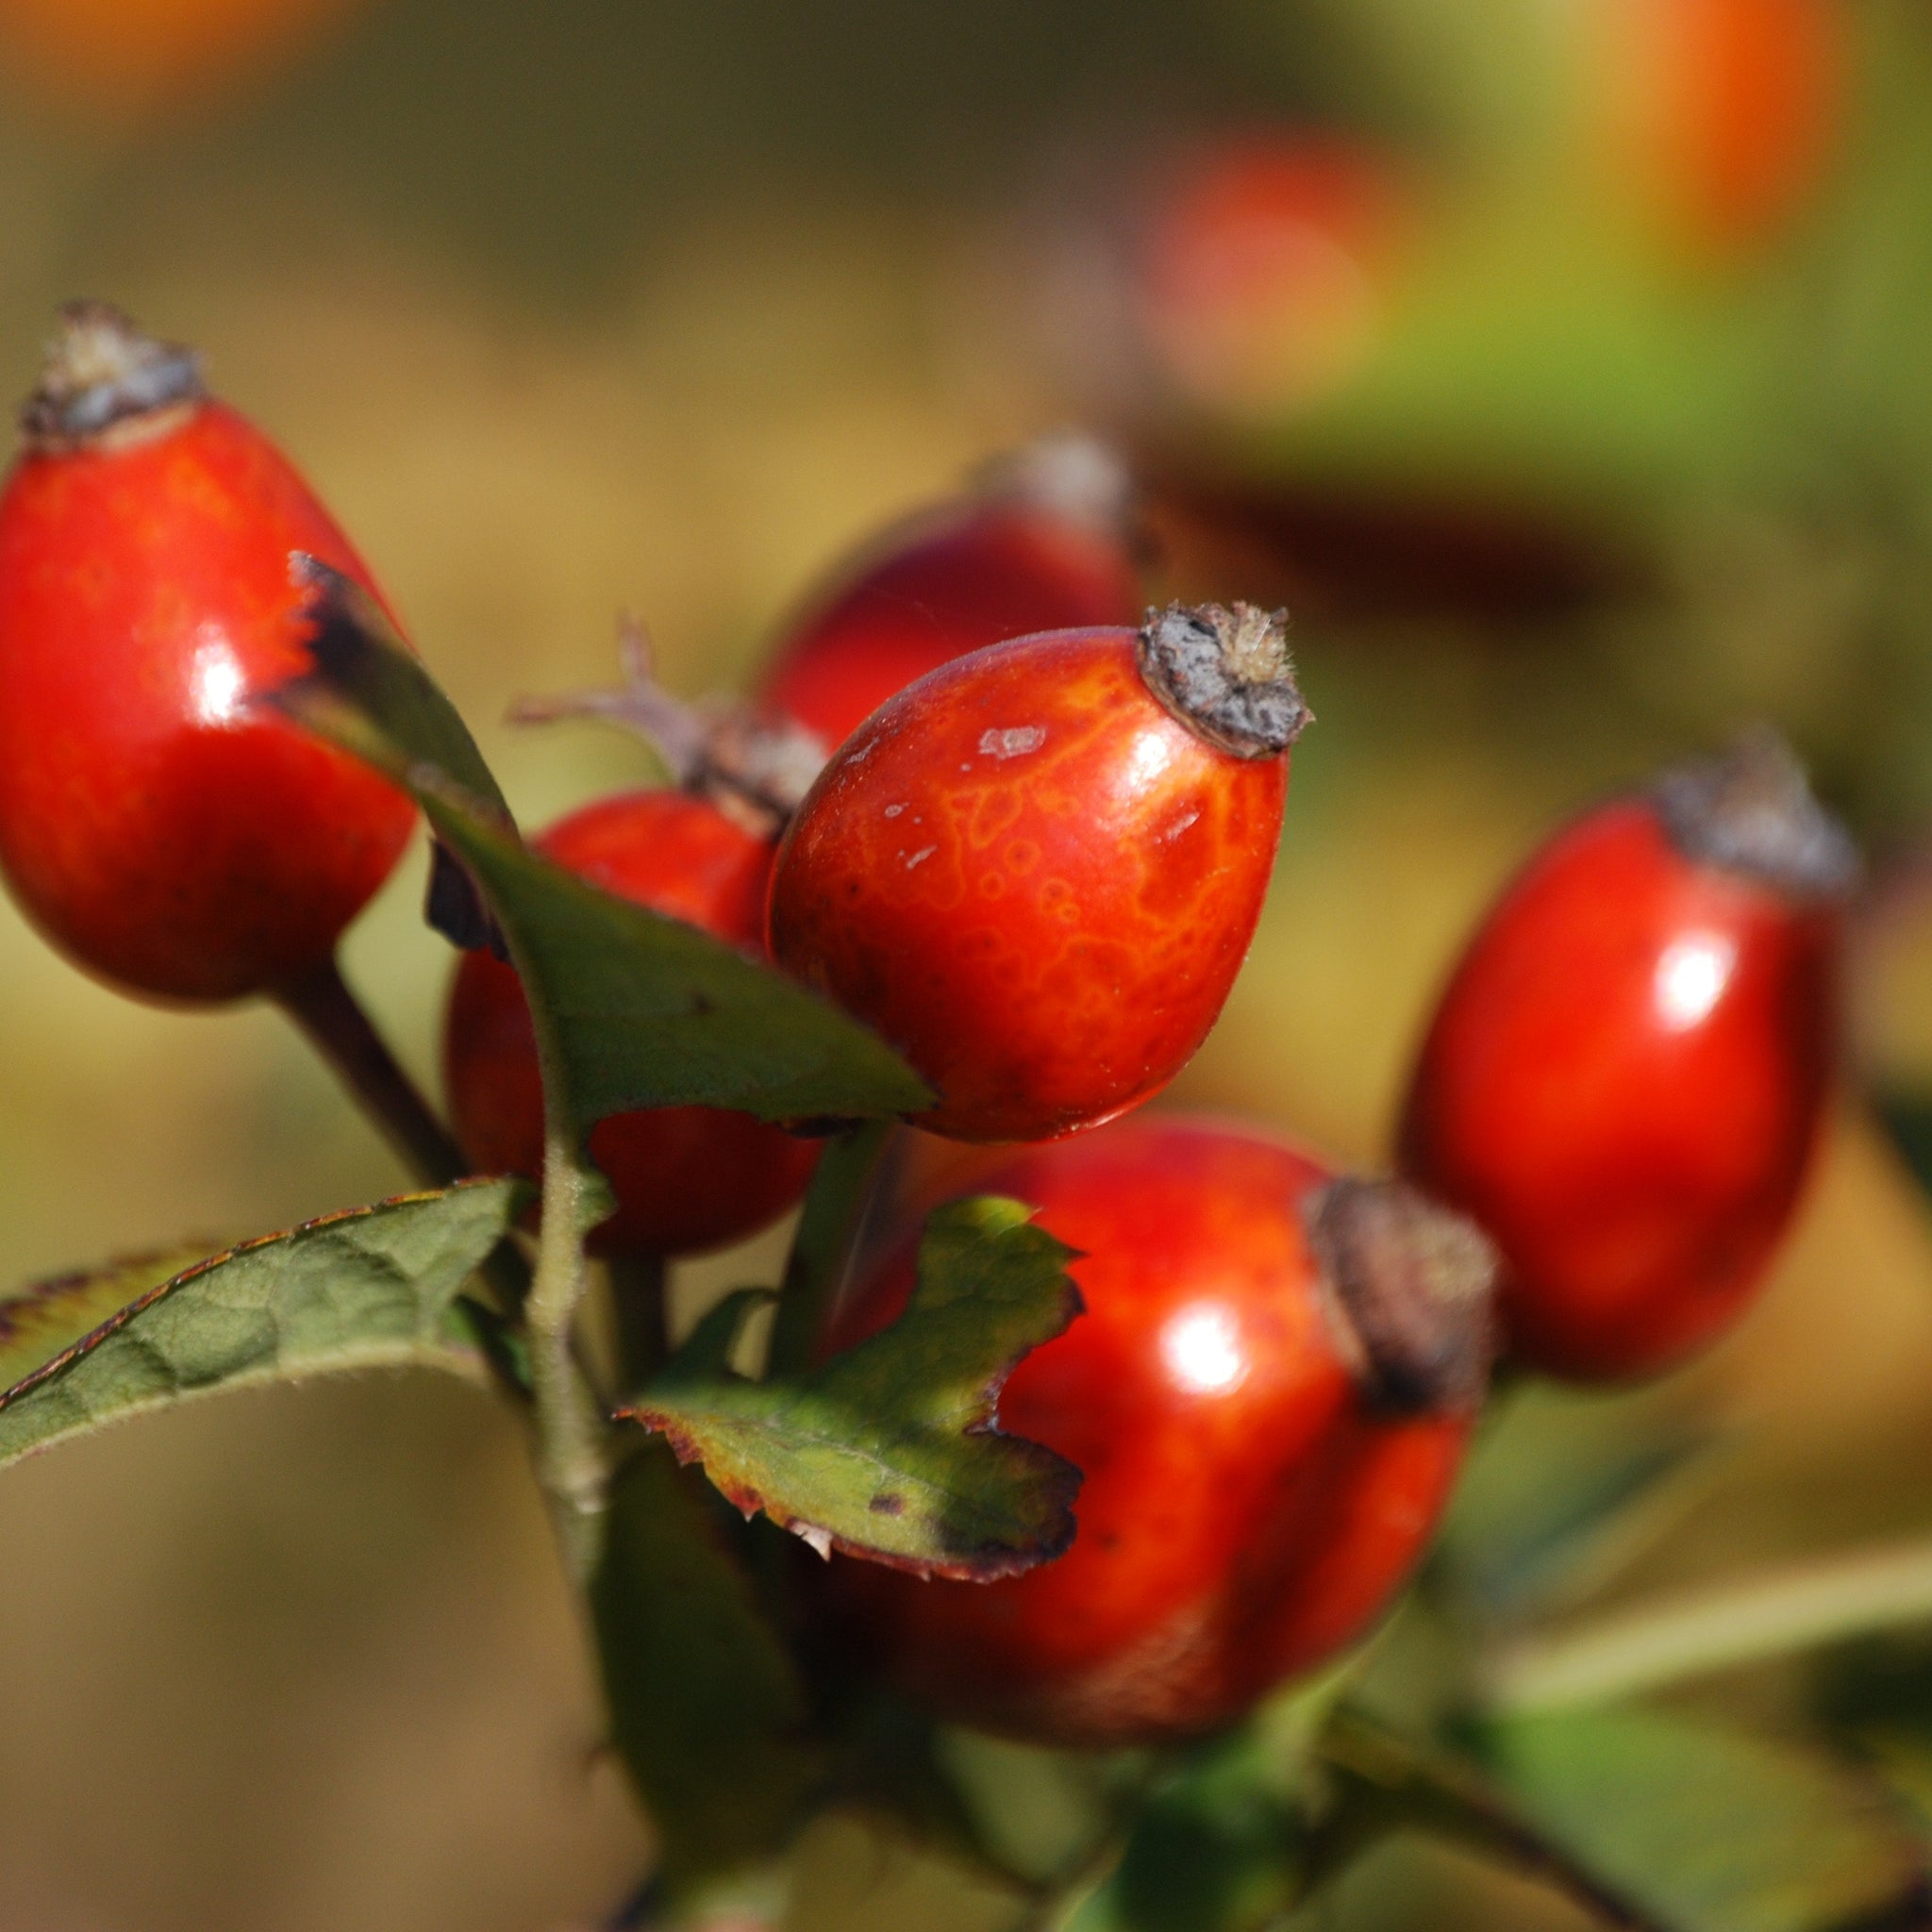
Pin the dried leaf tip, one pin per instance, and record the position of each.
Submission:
(1225, 673)
(1410, 1285)
(102, 375)
(1752, 812)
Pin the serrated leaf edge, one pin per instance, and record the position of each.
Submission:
(452, 1354)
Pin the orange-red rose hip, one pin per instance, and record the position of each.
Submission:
(1036, 870)
(1043, 544)
(162, 831)
(1269, 1394)
(1627, 1075)
(686, 1178)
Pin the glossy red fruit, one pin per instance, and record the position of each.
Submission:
(1269, 1394)
(687, 1178)
(1625, 1078)
(162, 831)
(1036, 870)
(1044, 544)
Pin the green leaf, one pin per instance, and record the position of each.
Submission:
(372, 695)
(1214, 1849)
(639, 1011)
(40, 1321)
(1032, 1812)
(1708, 1829)
(705, 1705)
(1561, 1492)
(890, 1450)
(1220, 1840)
(367, 1288)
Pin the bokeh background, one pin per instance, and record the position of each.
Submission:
(1564, 367)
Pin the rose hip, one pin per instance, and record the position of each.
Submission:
(1044, 544)
(163, 831)
(1036, 870)
(687, 1178)
(1269, 1394)
(1625, 1080)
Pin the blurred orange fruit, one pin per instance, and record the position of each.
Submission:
(124, 57)
(1723, 112)
(1265, 266)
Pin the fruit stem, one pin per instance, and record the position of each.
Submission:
(640, 1316)
(1721, 1627)
(325, 1010)
(835, 1211)
(320, 1003)
(571, 1467)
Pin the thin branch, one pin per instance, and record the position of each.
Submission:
(640, 1316)
(321, 1005)
(1386, 1784)
(331, 1017)
(1694, 1633)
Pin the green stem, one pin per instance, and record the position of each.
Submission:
(835, 1207)
(334, 1022)
(640, 1316)
(1383, 1783)
(1720, 1628)
(572, 1469)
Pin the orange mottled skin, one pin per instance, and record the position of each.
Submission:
(162, 831)
(1245, 1513)
(1034, 880)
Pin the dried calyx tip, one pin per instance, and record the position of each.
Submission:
(1411, 1286)
(1751, 811)
(101, 373)
(753, 769)
(1225, 673)
(1067, 472)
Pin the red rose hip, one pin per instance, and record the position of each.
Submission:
(1043, 544)
(1627, 1075)
(164, 832)
(1269, 1394)
(687, 1178)
(1036, 870)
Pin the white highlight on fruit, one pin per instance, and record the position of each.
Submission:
(1150, 757)
(1201, 1347)
(1691, 978)
(214, 681)
(1014, 744)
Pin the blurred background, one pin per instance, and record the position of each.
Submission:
(1564, 367)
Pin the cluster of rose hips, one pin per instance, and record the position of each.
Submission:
(1032, 861)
